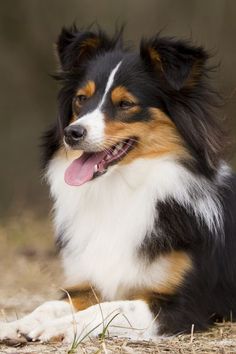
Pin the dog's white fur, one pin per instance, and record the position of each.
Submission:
(104, 222)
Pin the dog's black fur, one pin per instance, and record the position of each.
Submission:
(171, 75)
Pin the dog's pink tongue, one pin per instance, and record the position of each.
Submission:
(81, 170)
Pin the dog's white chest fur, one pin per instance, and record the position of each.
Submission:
(106, 220)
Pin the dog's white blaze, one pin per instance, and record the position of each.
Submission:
(109, 83)
(94, 121)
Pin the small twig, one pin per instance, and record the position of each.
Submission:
(192, 331)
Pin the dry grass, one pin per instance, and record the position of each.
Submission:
(30, 274)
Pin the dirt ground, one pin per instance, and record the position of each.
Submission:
(30, 274)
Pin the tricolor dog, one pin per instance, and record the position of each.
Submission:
(144, 203)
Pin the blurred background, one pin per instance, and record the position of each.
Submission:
(29, 28)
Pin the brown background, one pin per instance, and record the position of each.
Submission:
(28, 94)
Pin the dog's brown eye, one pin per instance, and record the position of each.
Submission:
(78, 101)
(80, 98)
(126, 104)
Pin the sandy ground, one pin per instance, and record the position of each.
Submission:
(30, 274)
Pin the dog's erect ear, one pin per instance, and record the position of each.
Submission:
(75, 46)
(180, 63)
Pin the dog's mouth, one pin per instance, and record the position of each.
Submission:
(91, 165)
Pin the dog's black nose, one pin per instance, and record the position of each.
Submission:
(74, 134)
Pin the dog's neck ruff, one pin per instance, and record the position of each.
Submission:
(104, 222)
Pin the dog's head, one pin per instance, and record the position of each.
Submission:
(118, 105)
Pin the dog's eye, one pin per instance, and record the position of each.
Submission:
(80, 99)
(77, 102)
(126, 104)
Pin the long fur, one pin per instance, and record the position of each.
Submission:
(118, 232)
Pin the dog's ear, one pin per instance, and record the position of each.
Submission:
(75, 47)
(178, 62)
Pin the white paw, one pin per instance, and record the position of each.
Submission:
(54, 331)
(8, 331)
(68, 328)
(42, 314)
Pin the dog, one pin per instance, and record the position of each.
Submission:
(144, 202)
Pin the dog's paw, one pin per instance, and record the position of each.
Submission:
(62, 330)
(17, 331)
(43, 314)
(8, 331)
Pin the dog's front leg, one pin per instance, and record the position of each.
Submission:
(75, 299)
(46, 312)
(131, 319)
